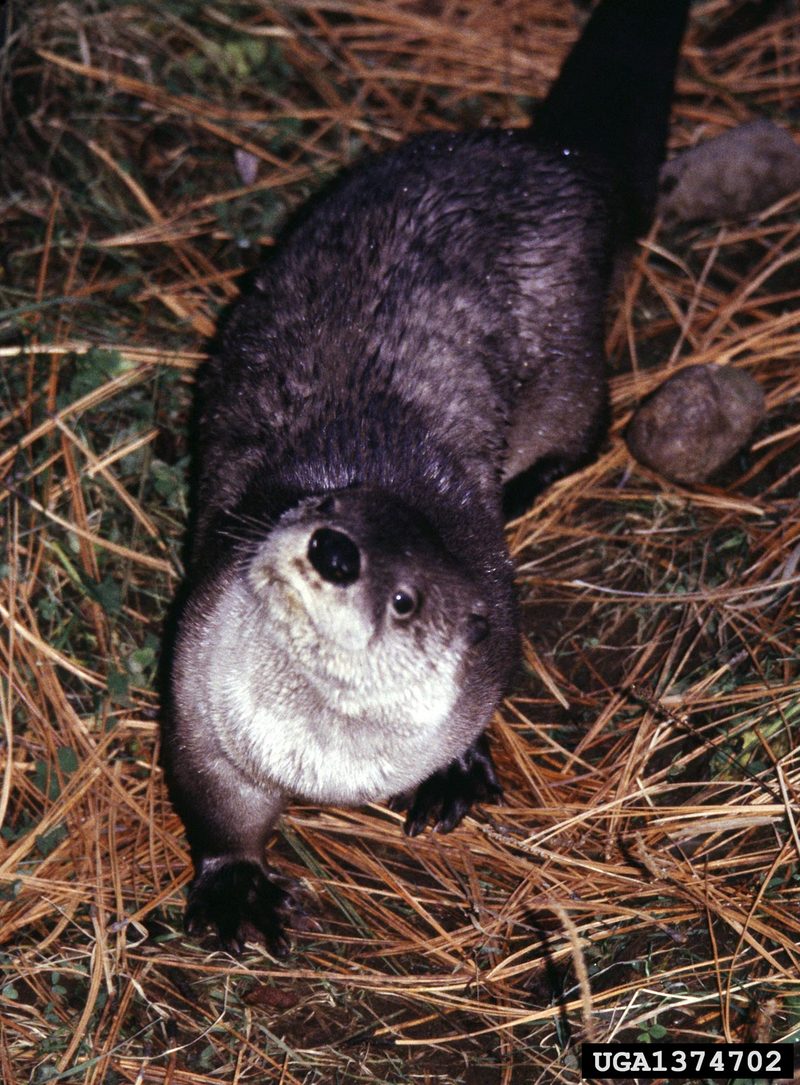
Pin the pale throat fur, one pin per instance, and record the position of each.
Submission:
(313, 687)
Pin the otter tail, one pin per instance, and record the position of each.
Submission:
(612, 97)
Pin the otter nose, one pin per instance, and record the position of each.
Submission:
(334, 555)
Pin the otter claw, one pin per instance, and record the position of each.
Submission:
(242, 904)
(447, 795)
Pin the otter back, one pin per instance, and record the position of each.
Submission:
(428, 332)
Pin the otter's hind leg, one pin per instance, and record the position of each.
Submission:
(520, 490)
(554, 430)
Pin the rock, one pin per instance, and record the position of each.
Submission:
(696, 421)
(732, 176)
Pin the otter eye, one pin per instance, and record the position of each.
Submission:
(405, 602)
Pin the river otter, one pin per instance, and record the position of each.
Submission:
(425, 345)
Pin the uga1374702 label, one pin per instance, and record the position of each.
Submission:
(692, 1060)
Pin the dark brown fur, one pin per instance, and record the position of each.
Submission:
(431, 330)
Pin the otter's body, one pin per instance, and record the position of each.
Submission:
(431, 331)
(378, 313)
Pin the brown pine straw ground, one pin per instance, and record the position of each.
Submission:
(642, 878)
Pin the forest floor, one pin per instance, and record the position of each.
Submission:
(641, 879)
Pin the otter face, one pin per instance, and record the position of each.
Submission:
(346, 656)
(359, 635)
(360, 572)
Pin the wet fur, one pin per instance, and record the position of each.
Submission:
(428, 333)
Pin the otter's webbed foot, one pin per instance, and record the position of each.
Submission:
(447, 795)
(520, 492)
(240, 901)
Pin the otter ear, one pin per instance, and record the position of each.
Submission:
(326, 505)
(477, 629)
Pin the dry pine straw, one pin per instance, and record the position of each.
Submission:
(641, 877)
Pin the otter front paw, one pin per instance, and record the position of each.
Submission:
(447, 795)
(241, 903)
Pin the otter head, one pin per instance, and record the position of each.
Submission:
(358, 571)
(364, 632)
(348, 653)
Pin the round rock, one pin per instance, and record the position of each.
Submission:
(696, 421)
(732, 176)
